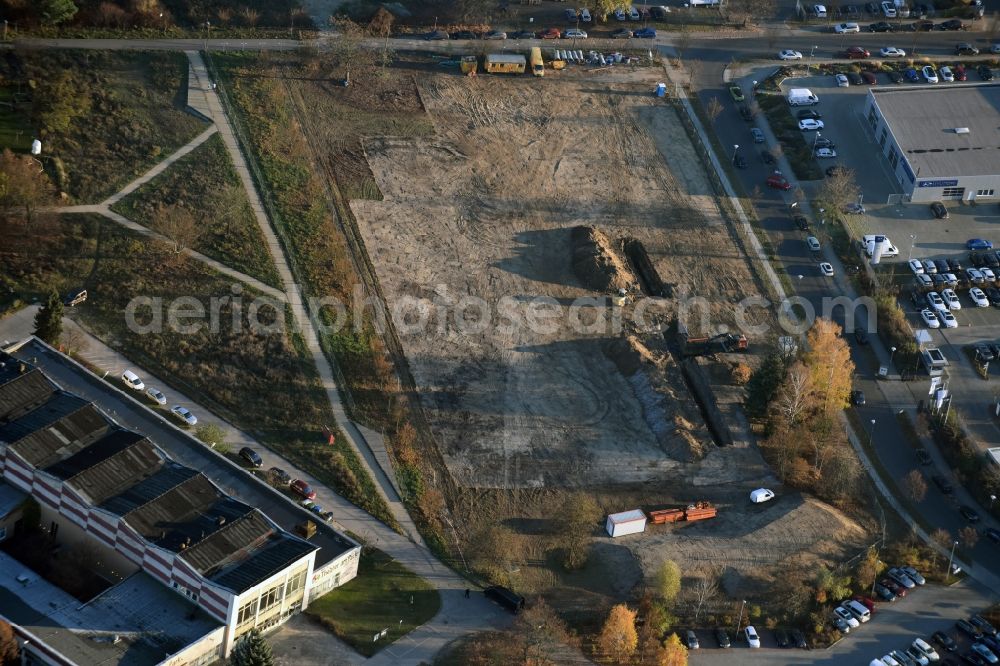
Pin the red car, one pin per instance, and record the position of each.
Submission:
(301, 488)
(551, 33)
(856, 52)
(896, 588)
(960, 74)
(778, 182)
(865, 601)
(869, 78)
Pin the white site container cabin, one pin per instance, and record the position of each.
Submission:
(801, 97)
(626, 522)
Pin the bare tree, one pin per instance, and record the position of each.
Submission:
(704, 590)
(969, 536)
(714, 109)
(73, 341)
(179, 226)
(794, 395)
(839, 189)
(914, 485)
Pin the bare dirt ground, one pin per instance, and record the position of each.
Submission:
(486, 210)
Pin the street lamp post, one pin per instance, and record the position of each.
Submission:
(950, 560)
(892, 352)
(816, 141)
(736, 148)
(739, 619)
(871, 433)
(753, 91)
(875, 577)
(993, 498)
(913, 239)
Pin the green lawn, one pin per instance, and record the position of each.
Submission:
(205, 183)
(385, 595)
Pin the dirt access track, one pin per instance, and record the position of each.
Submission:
(485, 210)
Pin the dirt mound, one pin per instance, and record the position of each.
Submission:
(596, 263)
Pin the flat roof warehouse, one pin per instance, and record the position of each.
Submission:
(924, 121)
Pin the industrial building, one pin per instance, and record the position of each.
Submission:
(188, 568)
(940, 142)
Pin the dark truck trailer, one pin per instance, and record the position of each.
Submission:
(512, 602)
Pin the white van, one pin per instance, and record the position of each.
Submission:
(132, 380)
(857, 610)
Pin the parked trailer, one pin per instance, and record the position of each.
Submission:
(505, 63)
(626, 522)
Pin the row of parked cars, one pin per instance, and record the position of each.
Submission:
(984, 647)
(782, 638)
(279, 478)
(131, 380)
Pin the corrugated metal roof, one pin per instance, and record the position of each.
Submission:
(230, 541)
(21, 391)
(119, 466)
(166, 477)
(279, 552)
(111, 443)
(61, 427)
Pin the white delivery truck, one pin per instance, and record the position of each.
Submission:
(626, 522)
(801, 97)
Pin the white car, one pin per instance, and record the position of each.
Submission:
(951, 299)
(842, 81)
(924, 648)
(846, 616)
(620, 14)
(892, 52)
(575, 33)
(184, 415)
(819, 11)
(988, 273)
(889, 9)
(826, 152)
(935, 301)
(813, 243)
(789, 54)
(826, 269)
(844, 28)
(975, 276)
(761, 495)
(946, 74)
(916, 267)
(930, 76)
(753, 640)
(585, 15)
(978, 297)
(633, 14)
(156, 396)
(917, 656)
(948, 319)
(889, 661)
(930, 319)
(132, 380)
(810, 124)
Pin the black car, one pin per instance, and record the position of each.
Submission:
(881, 26)
(279, 477)
(940, 212)
(954, 265)
(802, 223)
(823, 142)
(437, 36)
(943, 484)
(858, 398)
(781, 638)
(722, 638)
(884, 593)
(941, 265)
(966, 628)
(983, 625)
(745, 112)
(766, 157)
(975, 659)
(895, 76)
(923, 26)
(855, 79)
(739, 161)
(991, 260)
(985, 73)
(969, 513)
(807, 114)
(524, 34)
(952, 24)
(251, 457)
(993, 294)
(983, 352)
(799, 639)
(993, 534)
(861, 335)
(945, 641)
(923, 457)
(464, 34)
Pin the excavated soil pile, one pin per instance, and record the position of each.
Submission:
(596, 263)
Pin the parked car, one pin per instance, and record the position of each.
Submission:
(767, 157)
(914, 575)
(622, 33)
(634, 15)
(75, 297)
(736, 93)
(881, 26)
(278, 477)
(809, 114)
(939, 211)
(437, 36)
(856, 53)
(943, 484)
(966, 49)
(979, 298)
(585, 15)
(753, 640)
(550, 33)
(969, 513)
(946, 75)
(788, 54)
(465, 34)
(810, 125)
(960, 73)
(646, 33)
(900, 577)
(952, 24)
(132, 381)
(575, 33)
(761, 495)
(826, 153)
(523, 34)
(892, 52)
(184, 415)
(944, 640)
(781, 638)
(302, 489)
(757, 134)
(916, 656)
(911, 75)
(985, 73)
(156, 396)
(799, 639)
(930, 76)
(691, 640)
(778, 182)
(842, 81)
(979, 244)
(981, 623)
(843, 28)
(855, 78)
(968, 629)
(930, 319)
(722, 638)
(869, 78)
(801, 223)
(985, 653)
(840, 624)
(251, 456)
(495, 35)
(884, 593)
(898, 590)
